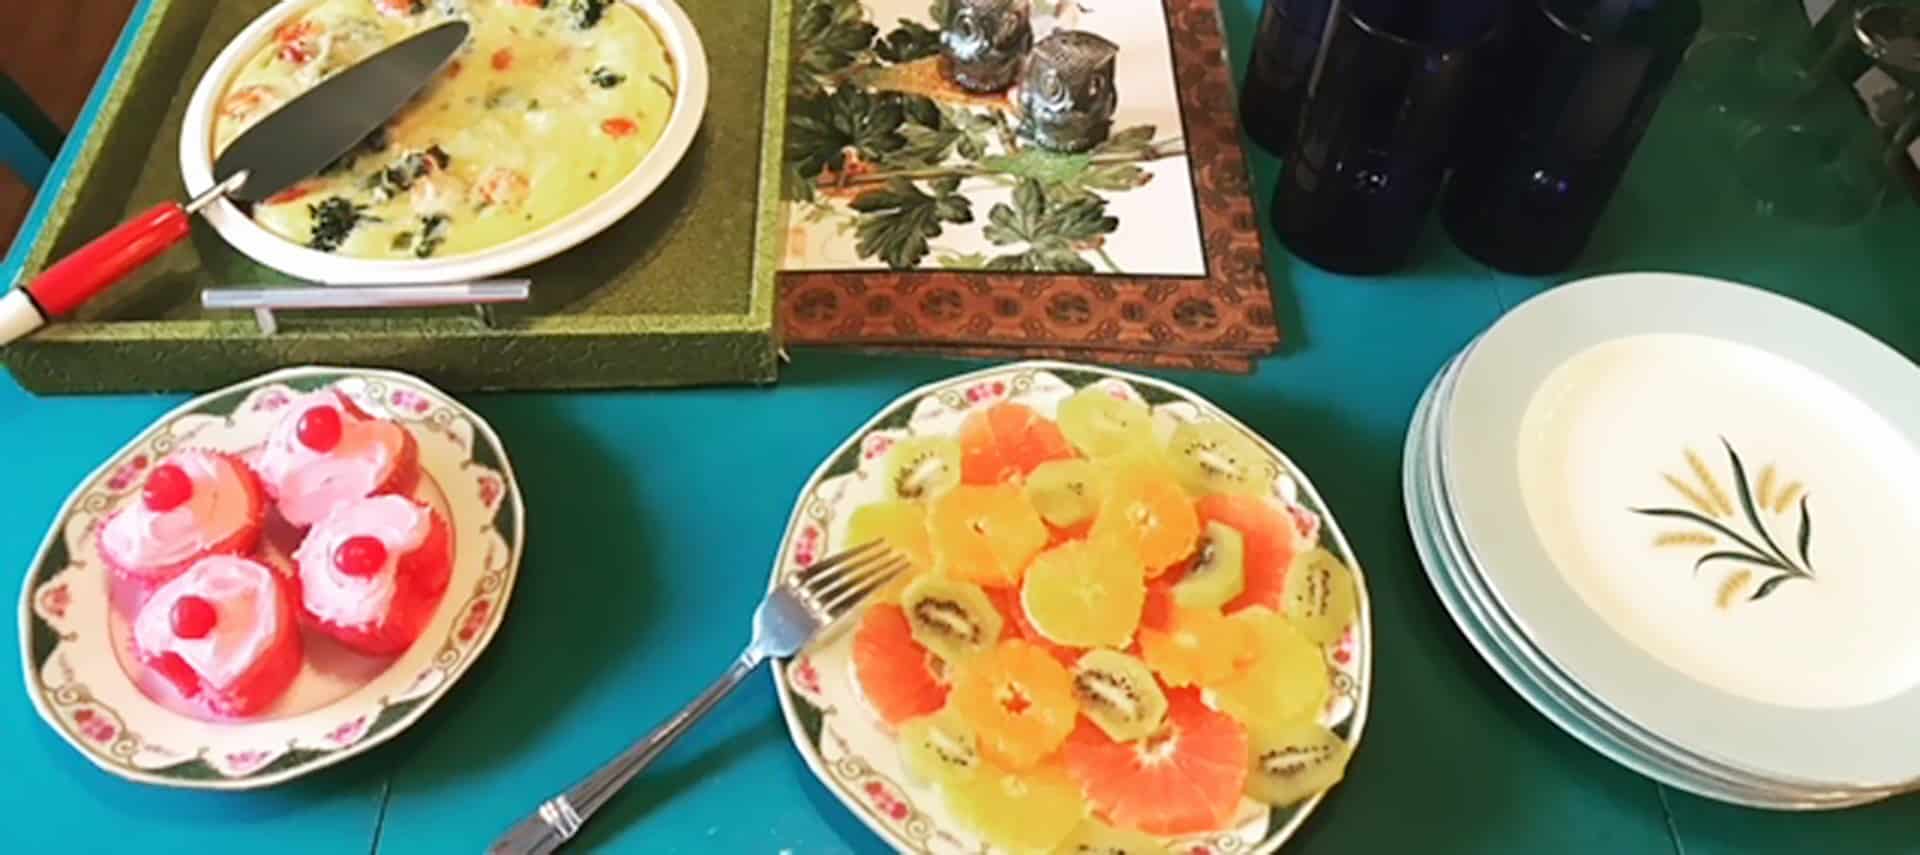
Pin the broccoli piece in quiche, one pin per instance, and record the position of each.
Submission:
(587, 13)
(334, 220)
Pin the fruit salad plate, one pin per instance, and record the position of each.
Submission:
(1132, 625)
(320, 693)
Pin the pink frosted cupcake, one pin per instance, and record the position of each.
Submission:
(223, 633)
(194, 504)
(371, 573)
(326, 452)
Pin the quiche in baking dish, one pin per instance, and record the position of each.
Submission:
(548, 105)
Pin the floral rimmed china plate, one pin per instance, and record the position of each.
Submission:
(846, 745)
(342, 704)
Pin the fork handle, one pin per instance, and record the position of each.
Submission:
(561, 817)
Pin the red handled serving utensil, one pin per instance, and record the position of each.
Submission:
(292, 143)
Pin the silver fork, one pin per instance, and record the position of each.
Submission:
(799, 608)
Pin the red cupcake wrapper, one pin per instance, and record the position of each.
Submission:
(421, 580)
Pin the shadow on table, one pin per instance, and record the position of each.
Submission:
(585, 533)
(661, 783)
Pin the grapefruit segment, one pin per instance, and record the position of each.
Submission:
(1267, 546)
(899, 678)
(1185, 779)
(902, 525)
(1016, 625)
(1005, 442)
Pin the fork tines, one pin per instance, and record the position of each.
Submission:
(841, 581)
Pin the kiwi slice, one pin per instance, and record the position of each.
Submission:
(954, 619)
(1214, 457)
(1293, 761)
(922, 467)
(1101, 425)
(1065, 492)
(939, 749)
(1320, 596)
(1218, 574)
(1117, 692)
(1094, 837)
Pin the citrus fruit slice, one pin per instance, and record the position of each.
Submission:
(1151, 516)
(1085, 593)
(1267, 540)
(1065, 492)
(1217, 573)
(1029, 811)
(1185, 778)
(1289, 762)
(1118, 693)
(899, 678)
(939, 749)
(1005, 442)
(902, 526)
(1197, 647)
(1094, 837)
(1283, 680)
(1016, 625)
(1018, 700)
(1215, 457)
(954, 619)
(1103, 425)
(984, 534)
(922, 467)
(1320, 600)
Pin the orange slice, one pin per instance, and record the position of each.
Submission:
(1019, 702)
(1198, 647)
(899, 678)
(1005, 442)
(1151, 515)
(985, 535)
(1085, 594)
(1284, 679)
(1019, 811)
(1185, 779)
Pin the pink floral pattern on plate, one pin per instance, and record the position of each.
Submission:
(128, 473)
(804, 676)
(889, 802)
(271, 400)
(348, 733)
(54, 601)
(245, 762)
(95, 726)
(807, 545)
(491, 489)
(984, 393)
(875, 445)
(409, 401)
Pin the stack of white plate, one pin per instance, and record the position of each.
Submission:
(1681, 518)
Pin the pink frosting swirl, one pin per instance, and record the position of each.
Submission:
(309, 484)
(396, 521)
(221, 506)
(242, 593)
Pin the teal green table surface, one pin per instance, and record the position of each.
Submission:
(653, 517)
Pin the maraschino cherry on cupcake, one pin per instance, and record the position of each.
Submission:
(224, 633)
(326, 452)
(371, 574)
(194, 504)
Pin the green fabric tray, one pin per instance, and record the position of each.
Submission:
(681, 292)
